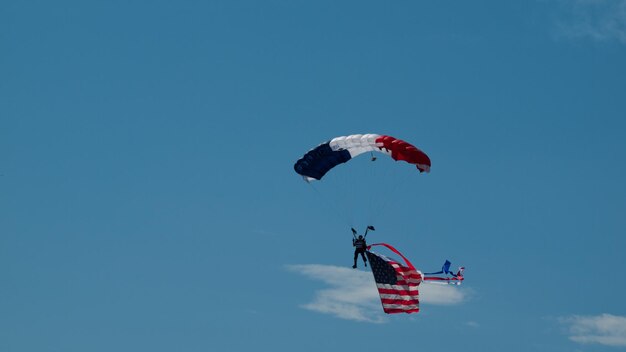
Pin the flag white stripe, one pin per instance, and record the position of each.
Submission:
(401, 306)
(398, 287)
(399, 297)
(412, 281)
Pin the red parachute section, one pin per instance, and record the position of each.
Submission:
(401, 150)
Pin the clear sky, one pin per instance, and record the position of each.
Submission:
(148, 200)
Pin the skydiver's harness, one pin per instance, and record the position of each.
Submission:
(359, 244)
(360, 247)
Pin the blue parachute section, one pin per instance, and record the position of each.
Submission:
(319, 160)
(445, 269)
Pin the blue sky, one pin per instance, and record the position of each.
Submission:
(148, 199)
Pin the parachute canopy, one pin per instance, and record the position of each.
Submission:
(319, 160)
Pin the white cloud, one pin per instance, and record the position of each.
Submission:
(600, 20)
(352, 294)
(472, 324)
(605, 329)
(441, 294)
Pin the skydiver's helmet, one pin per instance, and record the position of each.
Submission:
(360, 237)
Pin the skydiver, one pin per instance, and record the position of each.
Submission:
(360, 246)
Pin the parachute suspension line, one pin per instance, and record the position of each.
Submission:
(333, 206)
(395, 184)
(339, 185)
(383, 188)
(318, 161)
(373, 190)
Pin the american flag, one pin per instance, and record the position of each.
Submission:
(397, 284)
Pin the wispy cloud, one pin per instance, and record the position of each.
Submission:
(352, 293)
(441, 294)
(599, 20)
(605, 329)
(472, 324)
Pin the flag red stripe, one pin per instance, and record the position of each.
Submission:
(410, 275)
(403, 295)
(394, 310)
(387, 291)
(400, 302)
(444, 278)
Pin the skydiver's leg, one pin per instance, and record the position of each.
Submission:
(356, 254)
(364, 259)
